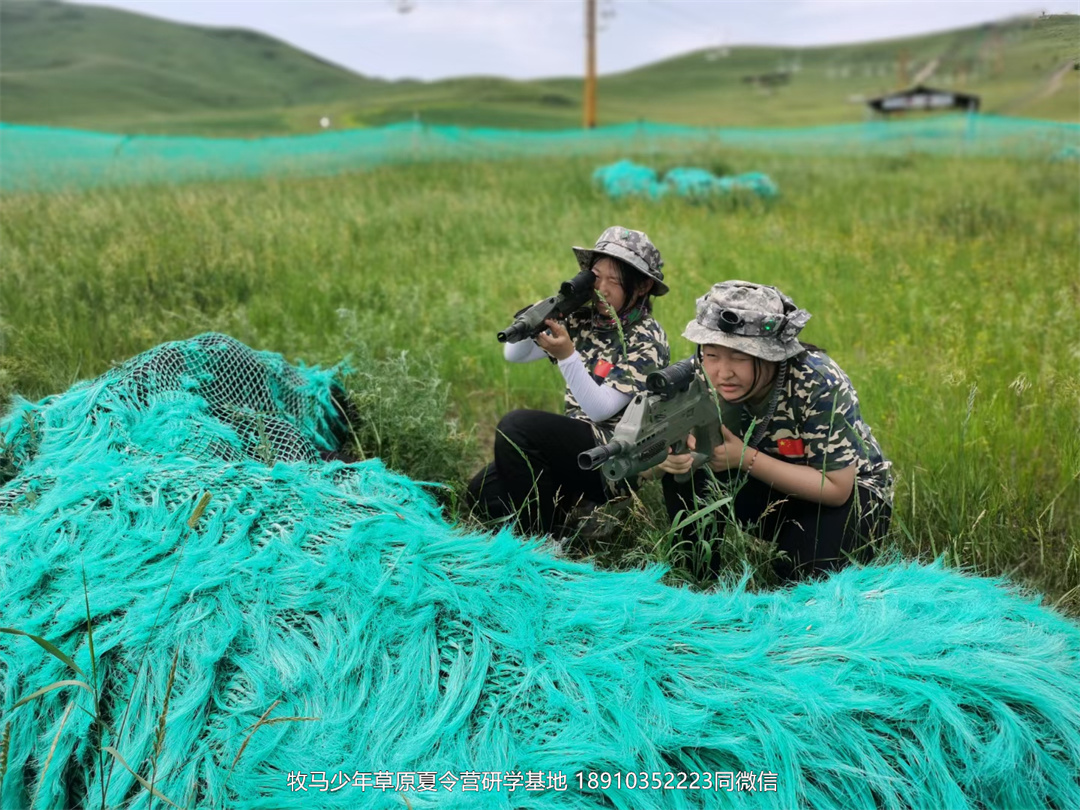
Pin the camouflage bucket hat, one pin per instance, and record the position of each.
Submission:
(633, 247)
(751, 318)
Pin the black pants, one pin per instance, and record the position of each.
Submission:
(535, 474)
(815, 537)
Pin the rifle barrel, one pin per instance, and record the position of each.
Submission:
(591, 459)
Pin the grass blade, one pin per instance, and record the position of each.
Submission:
(50, 687)
(48, 646)
(258, 722)
(153, 791)
(5, 742)
(97, 699)
(191, 521)
(712, 507)
(287, 720)
(52, 750)
(90, 714)
(262, 721)
(159, 737)
(259, 725)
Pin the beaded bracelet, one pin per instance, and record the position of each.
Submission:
(750, 466)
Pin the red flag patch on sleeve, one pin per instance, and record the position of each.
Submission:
(603, 368)
(790, 447)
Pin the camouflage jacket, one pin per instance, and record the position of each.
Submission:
(610, 363)
(817, 422)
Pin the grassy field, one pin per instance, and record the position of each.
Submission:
(946, 288)
(105, 69)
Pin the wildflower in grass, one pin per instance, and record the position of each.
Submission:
(1020, 384)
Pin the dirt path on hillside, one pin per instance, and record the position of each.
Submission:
(927, 71)
(1054, 83)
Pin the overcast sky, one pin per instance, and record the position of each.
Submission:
(532, 38)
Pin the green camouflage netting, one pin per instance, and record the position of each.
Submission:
(420, 651)
(48, 159)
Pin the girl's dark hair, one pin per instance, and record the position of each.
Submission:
(760, 368)
(631, 280)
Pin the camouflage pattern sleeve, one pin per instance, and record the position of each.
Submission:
(830, 441)
(646, 350)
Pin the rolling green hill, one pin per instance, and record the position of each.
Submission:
(1009, 64)
(100, 68)
(63, 63)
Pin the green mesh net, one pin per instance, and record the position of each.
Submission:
(42, 158)
(318, 628)
(628, 179)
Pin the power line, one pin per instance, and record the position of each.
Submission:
(607, 13)
(698, 23)
(589, 101)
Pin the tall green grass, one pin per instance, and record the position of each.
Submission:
(946, 288)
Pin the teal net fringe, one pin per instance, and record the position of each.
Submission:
(34, 158)
(336, 600)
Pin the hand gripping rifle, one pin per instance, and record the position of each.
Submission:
(679, 403)
(529, 322)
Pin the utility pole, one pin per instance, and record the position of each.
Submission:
(590, 64)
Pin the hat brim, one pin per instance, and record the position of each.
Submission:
(765, 348)
(585, 257)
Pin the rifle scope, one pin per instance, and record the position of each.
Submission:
(580, 286)
(672, 380)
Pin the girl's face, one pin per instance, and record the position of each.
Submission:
(608, 284)
(732, 372)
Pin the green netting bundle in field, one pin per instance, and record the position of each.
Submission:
(311, 589)
(46, 159)
(628, 179)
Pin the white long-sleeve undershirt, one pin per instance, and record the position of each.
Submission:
(524, 351)
(599, 402)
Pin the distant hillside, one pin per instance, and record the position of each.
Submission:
(101, 68)
(63, 63)
(1019, 67)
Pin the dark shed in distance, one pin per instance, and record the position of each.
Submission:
(922, 97)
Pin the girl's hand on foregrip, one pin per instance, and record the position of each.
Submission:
(556, 341)
(677, 464)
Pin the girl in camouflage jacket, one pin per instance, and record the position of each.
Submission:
(806, 468)
(604, 352)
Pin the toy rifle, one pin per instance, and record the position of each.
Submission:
(530, 322)
(678, 403)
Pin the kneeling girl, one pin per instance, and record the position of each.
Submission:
(807, 469)
(604, 352)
